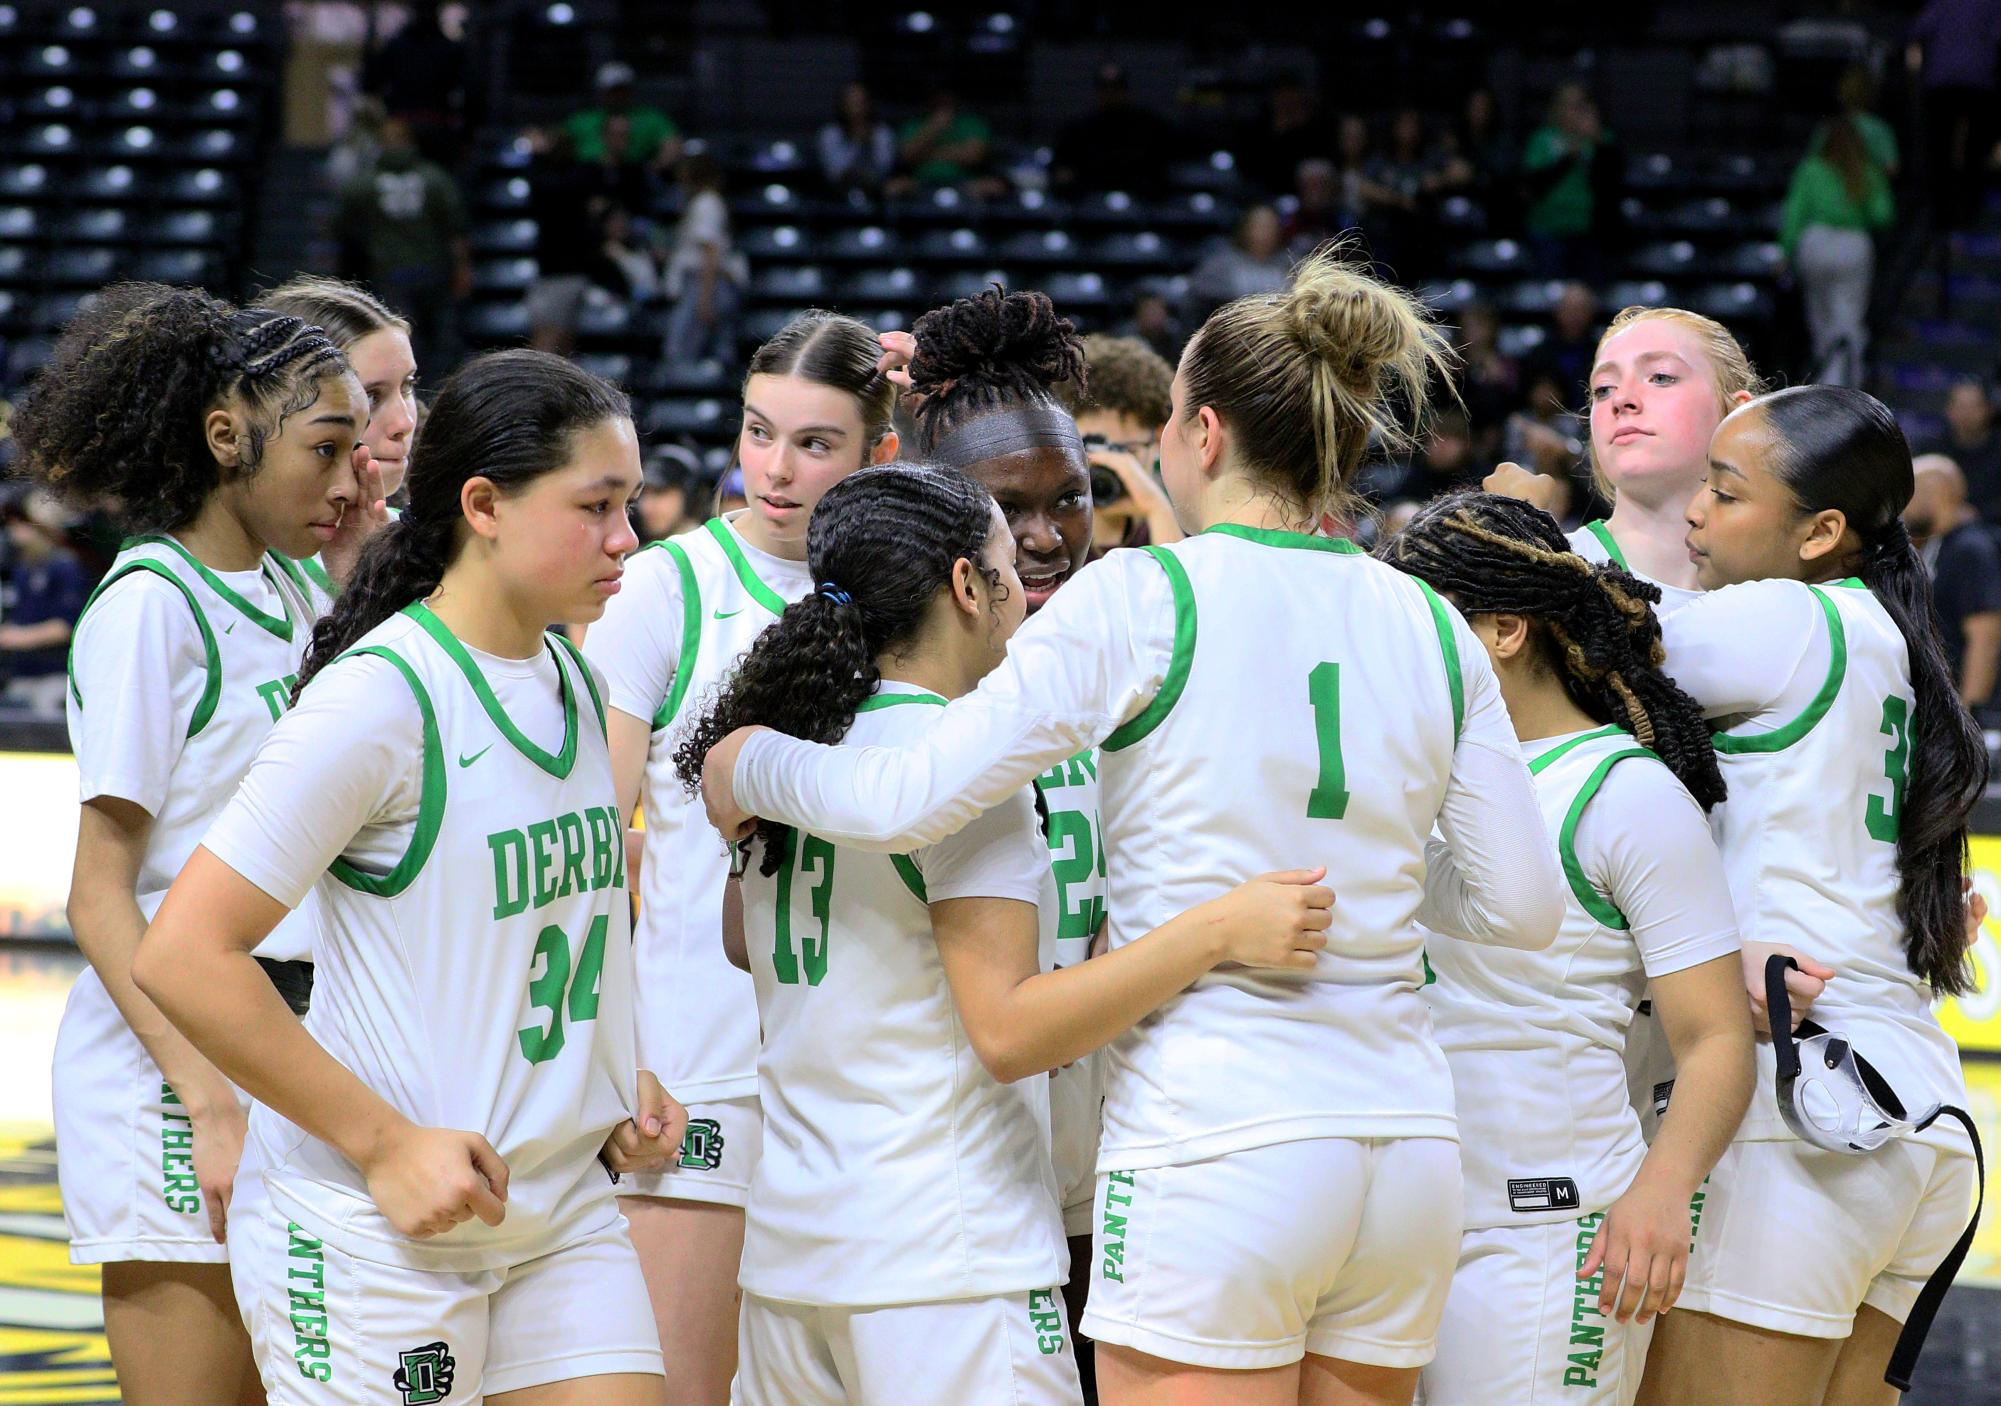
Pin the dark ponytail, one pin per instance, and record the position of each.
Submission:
(1843, 450)
(1595, 624)
(882, 543)
(508, 417)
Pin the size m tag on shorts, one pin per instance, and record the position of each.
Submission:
(1542, 1194)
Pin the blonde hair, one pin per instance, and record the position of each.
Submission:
(1730, 368)
(347, 311)
(1306, 378)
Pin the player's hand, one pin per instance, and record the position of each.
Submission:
(1276, 920)
(1642, 1247)
(1802, 986)
(647, 1140)
(364, 517)
(719, 786)
(219, 1125)
(427, 1180)
(1976, 913)
(899, 349)
(1514, 481)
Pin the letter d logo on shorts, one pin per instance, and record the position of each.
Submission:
(702, 1147)
(424, 1374)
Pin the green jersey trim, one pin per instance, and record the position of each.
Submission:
(211, 692)
(430, 804)
(1274, 537)
(304, 569)
(557, 765)
(1448, 645)
(1603, 533)
(691, 635)
(1588, 898)
(1542, 763)
(1778, 739)
(745, 573)
(906, 870)
(282, 628)
(584, 673)
(876, 701)
(1151, 717)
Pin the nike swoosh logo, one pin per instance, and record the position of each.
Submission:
(231, 629)
(726, 614)
(468, 761)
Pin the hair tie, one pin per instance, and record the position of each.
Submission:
(1888, 542)
(834, 593)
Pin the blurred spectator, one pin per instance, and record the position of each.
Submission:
(1254, 261)
(1118, 145)
(1413, 172)
(729, 493)
(1565, 356)
(1153, 322)
(1321, 214)
(1126, 400)
(1481, 157)
(857, 149)
(1291, 131)
(615, 176)
(1953, 48)
(1970, 442)
(42, 596)
(946, 146)
(1855, 96)
(568, 240)
(402, 232)
(705, 272)
(630, 253)
(651, 138)
(665, 508)
(1570, 177)
(1965, 567)
(359, 147)
(420, 75)
(1545, 434)
(1369, 203)
(1838, 198)
(1444, 464)
(1491, 380)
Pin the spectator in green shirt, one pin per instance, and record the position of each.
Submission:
(946, 146)
(651, 138)
(1839, 197)
(401, 229)
(1570, 175)
(1856, 95)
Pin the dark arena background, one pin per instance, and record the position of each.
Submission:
(530, 173)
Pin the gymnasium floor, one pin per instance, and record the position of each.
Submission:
(51, 1331)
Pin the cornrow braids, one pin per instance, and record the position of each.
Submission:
(1493, 555)
(993, 352)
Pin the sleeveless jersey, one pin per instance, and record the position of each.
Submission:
(1071, 912)
(1536, 1040)
(1594, 542)
(697, 1017)
(894, 1168)
(1309, 716)
(252, 662)
(484, 982)
(1809, 842)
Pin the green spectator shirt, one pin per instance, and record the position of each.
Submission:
(1818, 197)
(965, 127)
(1567, 206)
(1877, 135)
(650, 127)
(405, 219)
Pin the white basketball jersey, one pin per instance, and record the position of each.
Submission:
(1536, 1040)
(894, 1168)
(484, 982)
(1071, 912)
(252, 664)
(1309, 717)
(697, 1016)
(1594, 542)
(1809, 841)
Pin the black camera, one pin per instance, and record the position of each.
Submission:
(1106, 485)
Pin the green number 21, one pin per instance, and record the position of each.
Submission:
(1882, 819)
(548, 991)
(1329, 797)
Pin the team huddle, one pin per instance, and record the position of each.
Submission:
(1244, 967)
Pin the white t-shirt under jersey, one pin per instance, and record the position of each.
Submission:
(1214, 672)
(894, 1168)
(1594, 542)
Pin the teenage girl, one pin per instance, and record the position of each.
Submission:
(815, 409)
(1852, 769)
(226, 439)
(1278, 1183)
(1565, 1202)
(433, 1217)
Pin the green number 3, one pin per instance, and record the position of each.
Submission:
(1329, 798)
(803, 854)
(547, 992)
(1882, 818)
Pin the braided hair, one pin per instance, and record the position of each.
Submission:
(117, 416)
(997, 351)
(883, 543)
(1594, 623)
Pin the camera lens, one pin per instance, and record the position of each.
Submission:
(1106, 486)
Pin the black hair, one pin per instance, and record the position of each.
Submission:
(1844, 451)
(886, 539)
(993, 352)
(508, 417)
(1594, 624)
(829, 349)
(117, 416)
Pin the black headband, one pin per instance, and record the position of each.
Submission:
(1008, 432)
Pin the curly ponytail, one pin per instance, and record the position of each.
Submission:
(882, 543)
(1495, 555)
(507, 417)
(992, 352)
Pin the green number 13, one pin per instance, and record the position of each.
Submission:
(1329, 797)
(802, 853)
(1882, 818)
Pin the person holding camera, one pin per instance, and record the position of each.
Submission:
(1120, 407)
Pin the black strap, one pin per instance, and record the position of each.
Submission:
(1779, 1014)
(1911, 1342)
(294, 981)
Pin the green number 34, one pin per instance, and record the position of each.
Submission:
(558, 987)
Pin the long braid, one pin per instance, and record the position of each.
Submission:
(1495, 555)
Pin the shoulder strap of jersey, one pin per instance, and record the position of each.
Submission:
(1587, 894)
(906, 870)
(307, 573)
(430, 804)
(691, 635)
(1448, 645)
(212, 687)
(745, 572)
(1780, 738)
(583, 672)
(1603, 532)
(1151, 717)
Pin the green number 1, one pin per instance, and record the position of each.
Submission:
(547, 991)
(801, 853)
(1329, 798)
(1881, 818)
